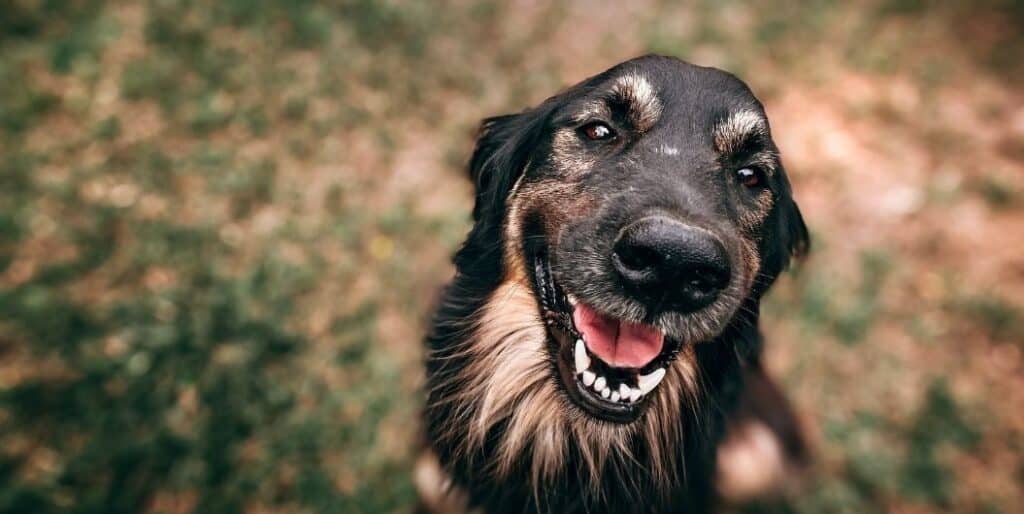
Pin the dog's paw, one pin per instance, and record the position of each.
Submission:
(751, 463)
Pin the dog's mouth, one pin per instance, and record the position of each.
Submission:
(608, 367)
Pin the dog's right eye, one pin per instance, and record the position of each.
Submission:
(597, 131)
(750, 177)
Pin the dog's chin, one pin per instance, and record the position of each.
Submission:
(615, 390)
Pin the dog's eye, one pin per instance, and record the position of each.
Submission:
(750, 177)
(597, 131)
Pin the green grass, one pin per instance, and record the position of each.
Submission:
(997, 192)
(995, 316)
(843, 307)
(221, 237)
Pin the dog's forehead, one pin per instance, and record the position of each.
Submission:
(684, 99)
(683, 85)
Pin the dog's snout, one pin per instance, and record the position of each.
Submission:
(668, 264)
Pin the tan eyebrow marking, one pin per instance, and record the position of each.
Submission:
(640, 97)
(595, 109)
(740, 126)
(733, 132)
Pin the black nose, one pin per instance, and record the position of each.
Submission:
(669, 265)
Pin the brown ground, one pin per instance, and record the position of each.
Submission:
(901, 124)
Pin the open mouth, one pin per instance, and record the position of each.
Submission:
(608, 367)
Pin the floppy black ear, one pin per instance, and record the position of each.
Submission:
(785, 236)
(503, 150)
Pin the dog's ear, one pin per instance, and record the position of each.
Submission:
(503, 150)
(785, 236)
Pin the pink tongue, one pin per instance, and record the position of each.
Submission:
(618, 343)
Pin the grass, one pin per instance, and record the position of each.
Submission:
(998, 318)
(997, 192)
(835, 305)
(223, 225)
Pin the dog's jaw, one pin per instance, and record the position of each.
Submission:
(607, 391)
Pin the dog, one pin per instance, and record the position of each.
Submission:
(593, 350)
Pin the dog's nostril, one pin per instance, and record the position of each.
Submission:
(665, 262)
(637, 257)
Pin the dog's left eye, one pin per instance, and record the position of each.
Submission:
(597, 131)
(750, 177)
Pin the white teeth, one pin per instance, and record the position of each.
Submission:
(648, 382)
(588, 378)
(624, 393)
(582, 360)
(572, 300)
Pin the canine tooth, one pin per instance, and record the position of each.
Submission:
(648, 382)
(605, 393)
(625, 391)
(600, 384)
(588, 377)
(635, 395)
(572, 300)
(582, 360)
(615, 396)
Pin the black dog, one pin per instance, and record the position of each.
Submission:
(592, 347)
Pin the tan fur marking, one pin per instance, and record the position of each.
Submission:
(515, 270)
(595, 109)
(644, 105)
(752, 262)
(567, 156)
(737, 128)
(750, 221)
(559, 200)
(510, 363)
(675, 393)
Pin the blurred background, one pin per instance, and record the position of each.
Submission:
(223, 225)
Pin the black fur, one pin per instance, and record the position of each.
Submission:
(506, 148)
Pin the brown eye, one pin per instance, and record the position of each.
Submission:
(597, 131)
(750, 177)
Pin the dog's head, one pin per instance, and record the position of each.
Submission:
(626, 219)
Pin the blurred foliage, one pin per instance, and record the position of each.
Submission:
(215, 265)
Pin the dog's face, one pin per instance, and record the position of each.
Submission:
(640, 213)
(650, 202)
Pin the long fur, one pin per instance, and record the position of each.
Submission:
(496, 420)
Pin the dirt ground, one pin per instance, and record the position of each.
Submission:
(223, 225)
